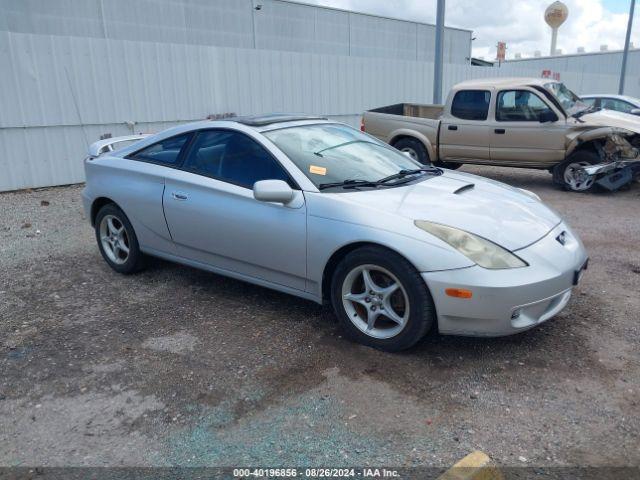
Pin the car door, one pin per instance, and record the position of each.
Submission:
(137, 186)
(214, 218)
(526, 131)
(464, 132)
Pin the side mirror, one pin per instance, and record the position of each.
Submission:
(547, 116)
(635, 111)
(276, 191)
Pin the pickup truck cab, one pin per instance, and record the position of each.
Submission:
(516, 122)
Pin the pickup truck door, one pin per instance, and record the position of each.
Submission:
(526, 131)
(464, 130)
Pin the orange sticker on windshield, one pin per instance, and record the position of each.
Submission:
(317, 170)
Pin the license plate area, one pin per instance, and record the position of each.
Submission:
(577, 275)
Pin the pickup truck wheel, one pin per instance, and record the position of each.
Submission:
(568, 174)
(414, 148)
(381, 300)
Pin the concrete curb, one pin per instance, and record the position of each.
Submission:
(475, 466)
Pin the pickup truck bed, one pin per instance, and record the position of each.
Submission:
(432, 112)
(410, 127)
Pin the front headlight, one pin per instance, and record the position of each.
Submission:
(481, 251)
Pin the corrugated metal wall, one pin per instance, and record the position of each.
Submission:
(595, 62)
(60, 92)
(275, 25)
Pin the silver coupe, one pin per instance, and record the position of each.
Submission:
(317, 209)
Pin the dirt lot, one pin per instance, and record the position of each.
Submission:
(176, 366)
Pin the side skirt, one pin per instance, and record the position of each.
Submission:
(231, 274)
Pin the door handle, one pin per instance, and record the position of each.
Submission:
(499, 131)
(179, 196)
(452, 127)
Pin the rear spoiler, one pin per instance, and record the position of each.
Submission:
(101, 146)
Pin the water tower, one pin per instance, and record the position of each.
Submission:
(555, 15)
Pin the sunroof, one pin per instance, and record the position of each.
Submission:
(262, 120)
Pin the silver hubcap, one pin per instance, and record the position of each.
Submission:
(375, 301)
(114, 238)
(412, 153)
(576, 177)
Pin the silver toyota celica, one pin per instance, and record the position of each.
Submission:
(320, 210)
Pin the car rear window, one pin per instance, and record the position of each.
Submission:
(165, 152)
(471, 104)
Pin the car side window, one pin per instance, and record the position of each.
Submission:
(164, 152)
(471, 104)
(233, 157)
(589, 102)
(520, 106)
(616, 104)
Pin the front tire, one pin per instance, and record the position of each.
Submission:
(117, 240)
(381, 300)
(568, 175)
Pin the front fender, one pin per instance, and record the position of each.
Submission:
(326, 236)
(595, 134)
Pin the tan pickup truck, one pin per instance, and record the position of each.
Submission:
(516, 122)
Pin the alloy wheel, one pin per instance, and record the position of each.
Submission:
(114, 239)
(576, 178)
(375, 301)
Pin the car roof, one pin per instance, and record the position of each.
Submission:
(504, 82)
(258, 123)
(271, 118)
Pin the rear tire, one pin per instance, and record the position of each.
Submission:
(418, 152)
(565, 174)
(392, 310)
(415, 148)
(117, 240)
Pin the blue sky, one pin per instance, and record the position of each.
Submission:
(617, 6)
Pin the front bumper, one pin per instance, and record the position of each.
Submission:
(512, 300)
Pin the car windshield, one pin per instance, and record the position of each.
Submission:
(331, 153)
(569, 100)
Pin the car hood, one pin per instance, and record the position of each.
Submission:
(500, 213)
(610, 118)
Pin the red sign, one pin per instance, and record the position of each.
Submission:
(502, 51)
(550, 74)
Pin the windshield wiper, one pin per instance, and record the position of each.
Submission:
(590, 109)
(349, 183)
(405, 173)
(319, 152)
(353, 183)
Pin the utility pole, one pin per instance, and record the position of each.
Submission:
(625, 54)
(437, 60)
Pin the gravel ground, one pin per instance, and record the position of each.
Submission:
(175, 366)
